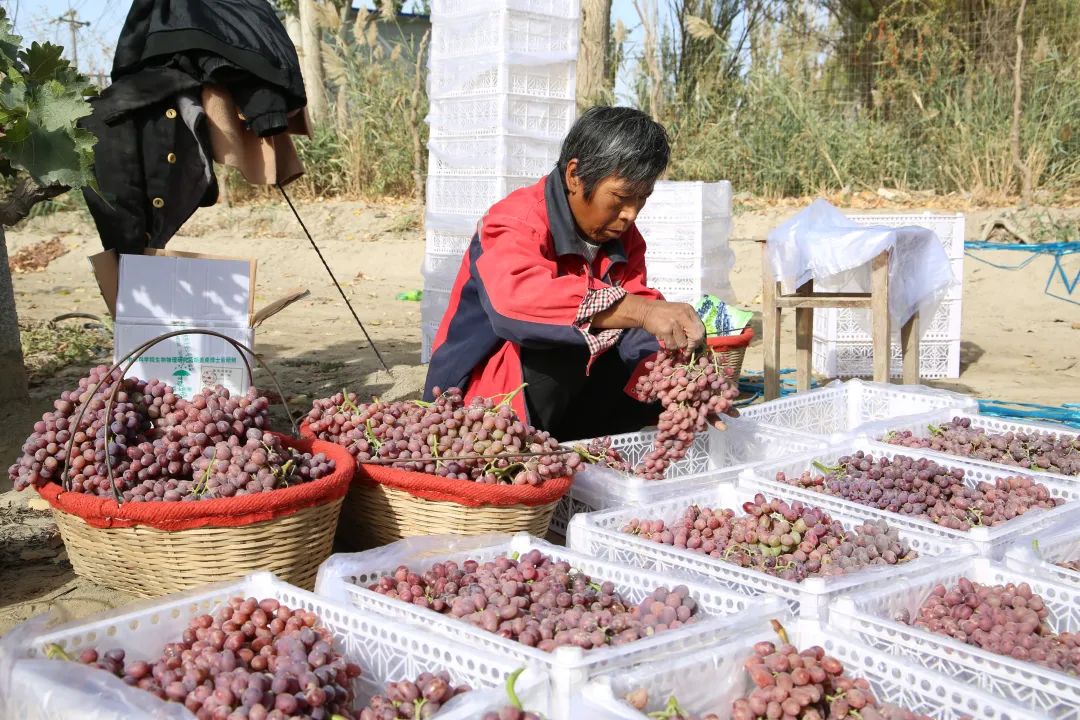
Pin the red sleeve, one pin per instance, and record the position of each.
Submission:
(524, 296)
(634, 278)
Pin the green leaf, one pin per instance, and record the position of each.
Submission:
(43, 62)
(49, 157)
(54, 107)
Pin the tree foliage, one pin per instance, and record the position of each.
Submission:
(42, 98)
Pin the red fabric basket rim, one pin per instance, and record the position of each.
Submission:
(463, 492)
(103, 512)
(730, 342)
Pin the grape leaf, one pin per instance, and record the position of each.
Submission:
(49, 157)
(43, 62)
(55, 107)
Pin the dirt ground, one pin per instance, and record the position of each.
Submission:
(1018, 343)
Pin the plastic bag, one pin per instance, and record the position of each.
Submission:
(339, 569)
(821, 244)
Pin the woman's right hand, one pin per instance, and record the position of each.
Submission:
(676, 325)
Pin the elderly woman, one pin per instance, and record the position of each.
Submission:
(552, 292)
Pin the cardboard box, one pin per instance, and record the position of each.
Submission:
(163, 292)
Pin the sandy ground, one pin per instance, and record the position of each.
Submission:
(1018, 343)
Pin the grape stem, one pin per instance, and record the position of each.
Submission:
(828, 469)
(779, 630)
(348, 403)
(511, 681)
(55, 652)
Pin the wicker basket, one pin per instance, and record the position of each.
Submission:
(731, 349)
(147, 562)
(374, 515)
(113, 546)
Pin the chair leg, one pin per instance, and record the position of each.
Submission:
(770, 328)
(879, 311)
(804, 341)
(909, 350)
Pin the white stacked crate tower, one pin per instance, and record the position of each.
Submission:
(501, 84)
(842, 342)
(687, 226)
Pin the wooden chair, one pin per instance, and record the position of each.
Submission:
(805, 300)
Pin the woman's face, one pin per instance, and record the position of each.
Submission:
(611, 209)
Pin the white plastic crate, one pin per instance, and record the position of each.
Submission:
(453, 241)
(938, 359)
(600, 535)
(714, 458)
(842, 344)
(491, 74)
(950, 229)
(989, 541)
(1055, 545)
(711, 680)
(508, 155)
(721, 611)
(681, 201)
(845, 407)
(501, 113)
(869, 617)
(686, 240)
(687, 280)
(450, 8)
(463, 195)
(43, 689)
(833, 324)
(919, 426)
(509, 32)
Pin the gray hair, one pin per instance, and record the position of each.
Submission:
(616, 141)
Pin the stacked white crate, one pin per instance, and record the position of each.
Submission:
(501, 83)
(842, 343)
(687, 227)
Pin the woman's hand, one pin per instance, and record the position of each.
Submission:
(676, 325)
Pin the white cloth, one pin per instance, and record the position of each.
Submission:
(821, 244)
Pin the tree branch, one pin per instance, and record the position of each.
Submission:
(25, 196)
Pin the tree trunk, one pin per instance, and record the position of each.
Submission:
(12, 370)
(311, 61)
(592, 71)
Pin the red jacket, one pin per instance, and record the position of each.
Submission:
(523, 282)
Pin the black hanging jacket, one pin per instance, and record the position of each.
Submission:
(152, 160)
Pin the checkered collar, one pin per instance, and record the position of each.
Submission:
(563, 229)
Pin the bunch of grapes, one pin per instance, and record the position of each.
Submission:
(483, 440)
(420, 698)
(252, 660)
(1050, 452)
(808, 685)
(691, 388)
(792, 685)
(44, 453)
(160, 446)
(510, 712)
(1004, 619)
(922, 488)
(791, 541)
(538, 601)
(599, 452)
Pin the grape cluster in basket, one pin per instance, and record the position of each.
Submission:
(160, 446)
(600, 452)
(422, 697)
(791, 541)
(483, 441)
(692, 386)
(251, 660)
(538, 601)
(922, 488)
(789, 684)
(1004, 619)
(1057, 453)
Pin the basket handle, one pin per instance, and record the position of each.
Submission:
(130, 359)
